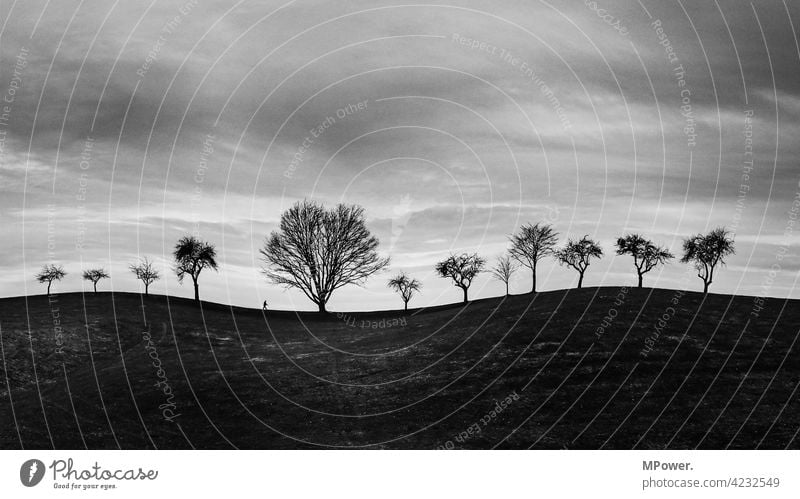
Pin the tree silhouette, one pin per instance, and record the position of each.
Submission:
(462, 269)
(145, 272)
(405, 286)
(531, 244)
(646, 255)
(577, 254)
(503, 269)
(95, 275)
(50, 273)
(706, 251)
(318, 251)
(191, 257)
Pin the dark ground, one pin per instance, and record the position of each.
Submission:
(712, 380)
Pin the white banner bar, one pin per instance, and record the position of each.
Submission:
(400, 474)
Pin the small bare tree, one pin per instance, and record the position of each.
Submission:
(145, 272)
(405, 286)
(50, 273)
(95, 275)
(318, 251)
(706, 251)
(646, 255)
(531, 244)
(577, 254)
(462, 269)
(503, 269)
(191, 257)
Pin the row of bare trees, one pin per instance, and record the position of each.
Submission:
(191, 257)
(318, 250)
(534, 242)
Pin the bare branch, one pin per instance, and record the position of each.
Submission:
(578, 254)
(531, 244)
(462, 269)
(503, 269)
(405, 286)
(646, 255)
(319, 251)
(706, 251)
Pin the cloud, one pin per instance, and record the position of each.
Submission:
(475, 118)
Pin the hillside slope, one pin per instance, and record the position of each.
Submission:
(563, 369)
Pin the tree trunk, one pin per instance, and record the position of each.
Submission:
(405, 306)
(465, 294)
(48, 287)
(506, 288)
(95, 287)
(640, 280)
(533, 272)
(145, 289)
(580, 280)
(705, 286)
(322, 307)
(196, 292)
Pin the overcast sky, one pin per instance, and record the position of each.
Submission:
(125, 125)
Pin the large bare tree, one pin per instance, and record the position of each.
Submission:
(646, 255)
(462, 269)
(145, 272)
(577, 254)
(404, 285)
(503, 269)
(706, 251)
(191, 257)
(531, 244)
(50, 273)
(94, 275)
(319, 250)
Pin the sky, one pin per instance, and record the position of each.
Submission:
(126, 125)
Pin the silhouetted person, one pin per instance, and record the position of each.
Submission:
(264, 307)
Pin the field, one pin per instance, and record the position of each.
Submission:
(574, 369)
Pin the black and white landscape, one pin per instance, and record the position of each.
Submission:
(374, 224)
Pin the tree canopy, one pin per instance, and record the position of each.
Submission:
(578, 254)
(462, 269)
(191, 257)
(94, 275)
(145, 272)
(707, 251)
(503, 269)
(49, 273)
(319, 250)
(531, 244)
(404, 285)
(646, 255)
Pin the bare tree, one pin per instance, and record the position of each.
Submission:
(646, 255)
(706, 251)
(145, 272)
(405, 286)
(95, 275)
(462, 269)
(531, 244)
(50, 273)
(318, 251)
(503, 269)
(577, 254)
(191, 257)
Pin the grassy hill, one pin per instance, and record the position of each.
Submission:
(123, 370)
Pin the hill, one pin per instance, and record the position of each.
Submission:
(591, 368)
